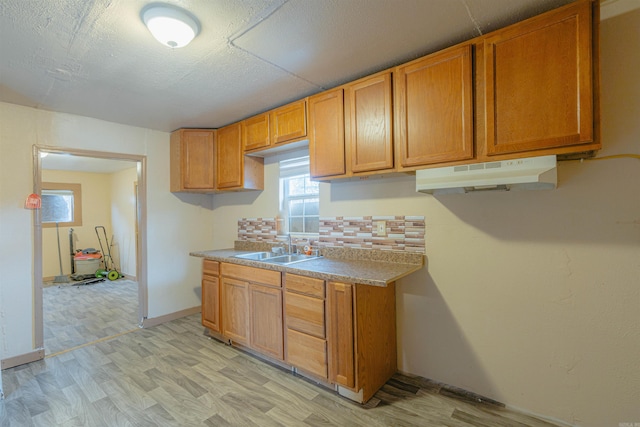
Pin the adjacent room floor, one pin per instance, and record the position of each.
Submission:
(77, 315)
(173, 375)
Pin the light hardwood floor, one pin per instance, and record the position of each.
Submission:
(173, 375)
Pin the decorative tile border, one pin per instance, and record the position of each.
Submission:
(403, 233)
(257, 229)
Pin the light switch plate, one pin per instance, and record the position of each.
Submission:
(381, 228)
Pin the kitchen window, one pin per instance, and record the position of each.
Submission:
(62, 204)
(299, 197)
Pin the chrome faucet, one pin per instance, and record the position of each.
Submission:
(289, 243)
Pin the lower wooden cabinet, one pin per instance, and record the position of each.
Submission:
(361, 337)
(265, 305)
(306, 324)
(342, 367)
(235, 309)
(307, 353)
(210, 295)
(252, 308)
(338, 333)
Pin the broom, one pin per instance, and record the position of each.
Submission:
(61, 278)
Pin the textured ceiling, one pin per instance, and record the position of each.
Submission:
(95, 57)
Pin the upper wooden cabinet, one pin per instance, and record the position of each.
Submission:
(539, 83)
(229, 156)
(326, 134)
(192, 166)
(351, 129)
(434, 108)
(289, 123)
(234, 170)
(370, 131)
(255, 132)
(276, 127)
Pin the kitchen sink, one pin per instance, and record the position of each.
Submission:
(290, 259)
(274, 258)
(257, 256)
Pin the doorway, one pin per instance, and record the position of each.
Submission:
(128, 293)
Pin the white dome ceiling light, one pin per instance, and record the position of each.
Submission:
(170, 25)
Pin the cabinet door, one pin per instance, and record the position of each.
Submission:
(370, 136)
(211, 303)
(326, 134)
(539, 83)
(197, 150)
(192, 160)
(255, 132)
(235, 309)
(229, 157)
(289, 122)
(434, 109)
(266, 320)
(341, 334)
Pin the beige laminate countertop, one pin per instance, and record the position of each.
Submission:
(381, 271)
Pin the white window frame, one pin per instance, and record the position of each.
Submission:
(289, 169)
(76, 190)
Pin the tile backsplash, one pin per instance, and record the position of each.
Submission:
(403, 233)
(258, 229)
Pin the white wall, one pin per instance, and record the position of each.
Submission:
(530, 298)
(123, 220)
(176, 224)
(96, 202)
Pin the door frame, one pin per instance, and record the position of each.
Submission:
(141, 237)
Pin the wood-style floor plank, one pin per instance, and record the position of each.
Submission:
(174, 375)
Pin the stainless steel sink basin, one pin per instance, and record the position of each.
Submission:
(271, 257)
(290, 259)
(257, 256)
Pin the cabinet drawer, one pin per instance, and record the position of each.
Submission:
(252, 274)
(305, 285)
(305, 314)
(210, 268)
(307, 353)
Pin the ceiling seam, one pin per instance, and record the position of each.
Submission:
(474, 21)
(259, 20)
(231, 42)
(292, 74)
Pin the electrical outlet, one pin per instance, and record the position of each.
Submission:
(381, 228)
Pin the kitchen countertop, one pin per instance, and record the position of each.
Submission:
(342, 265)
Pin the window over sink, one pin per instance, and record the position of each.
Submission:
(299, 197)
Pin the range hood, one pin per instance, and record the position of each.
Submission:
(532, 173)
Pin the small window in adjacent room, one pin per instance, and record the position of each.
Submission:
(299, 197)
(62, 204)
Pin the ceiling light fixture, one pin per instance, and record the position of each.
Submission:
(170, 25)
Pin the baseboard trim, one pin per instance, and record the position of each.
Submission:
(155, 321)
(11, 362)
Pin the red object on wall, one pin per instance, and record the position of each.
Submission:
(33, 202)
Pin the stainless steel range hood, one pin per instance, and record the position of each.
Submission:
(532, 173)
